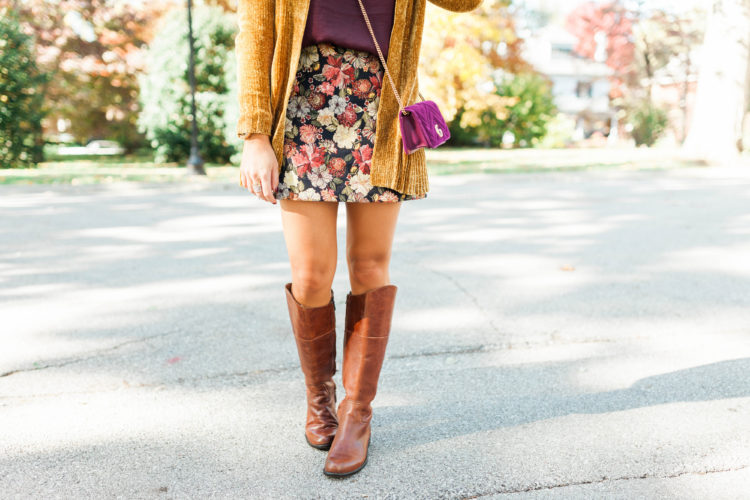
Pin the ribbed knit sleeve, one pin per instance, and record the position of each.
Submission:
(254, 51)
(457, 5)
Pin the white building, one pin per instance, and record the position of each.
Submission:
(580, 85)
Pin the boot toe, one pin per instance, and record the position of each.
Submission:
(338, 467)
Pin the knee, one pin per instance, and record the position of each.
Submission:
(369, 270)
(312, 281)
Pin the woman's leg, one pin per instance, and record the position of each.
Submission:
(310, 234)
(370, 228)
(369, 307)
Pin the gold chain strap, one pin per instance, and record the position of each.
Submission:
(388, 73)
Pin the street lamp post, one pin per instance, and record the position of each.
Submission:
(195, 163)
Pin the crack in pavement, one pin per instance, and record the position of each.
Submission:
(604, 479)
(260, 373)
(471, 296)
(461, 350)
(457, 350)
(464, 290)
(89, 355)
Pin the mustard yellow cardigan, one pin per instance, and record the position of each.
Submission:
(268, 46)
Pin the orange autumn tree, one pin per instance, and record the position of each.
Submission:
(93, 50)
(461, 51)
(615, 22)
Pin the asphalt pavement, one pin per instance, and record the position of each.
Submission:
(556, 335)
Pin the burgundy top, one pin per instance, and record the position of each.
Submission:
(341, 23)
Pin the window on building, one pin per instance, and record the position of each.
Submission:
(584, 89)
(559, 50)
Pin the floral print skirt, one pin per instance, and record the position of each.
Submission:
(330, 128)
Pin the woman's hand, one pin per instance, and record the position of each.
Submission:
(259, 166)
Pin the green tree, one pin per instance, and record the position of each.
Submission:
(165, 90)
(20, 102)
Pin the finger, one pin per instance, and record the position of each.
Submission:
(243, 179)
(255, 181)
(275, 178)
(267, 193)
(262, 193)
(246, 179)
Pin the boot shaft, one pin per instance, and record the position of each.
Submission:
(367, 331)
(315, 334)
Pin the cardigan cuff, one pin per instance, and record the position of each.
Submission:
(254, 123)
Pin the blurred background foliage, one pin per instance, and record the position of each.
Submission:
(649, 122)
(93, 51)
(484, 41)
(165, 93)
(21, 101)
(509, 74)
(524, 108)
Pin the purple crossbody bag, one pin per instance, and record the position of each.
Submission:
(422, 124)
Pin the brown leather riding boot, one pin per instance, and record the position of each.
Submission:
(368, 325)
(315, 333)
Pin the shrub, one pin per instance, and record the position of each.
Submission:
(529, 108)
(649, 123)
(560, 132)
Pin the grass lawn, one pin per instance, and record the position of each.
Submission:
(441, 161)
(77, 172)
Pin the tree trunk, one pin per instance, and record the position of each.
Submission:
(722, 93)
